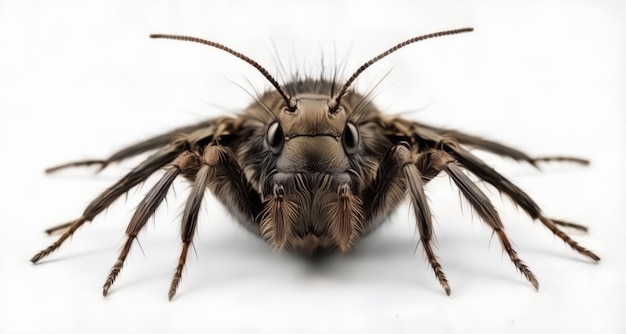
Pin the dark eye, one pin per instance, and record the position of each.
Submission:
(350, 138)
(275, 138)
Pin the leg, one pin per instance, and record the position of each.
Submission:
(136, 176)
(189, 223)
(485, 210)
(449, 141)
(221, 173)
(146, 209)
(519, 197)
(424, 221)
(397, 171)
(136, 149)
(494, 147)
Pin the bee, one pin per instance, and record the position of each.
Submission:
(312, 166)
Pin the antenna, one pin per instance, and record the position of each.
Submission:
(290, 104)
(395, 48)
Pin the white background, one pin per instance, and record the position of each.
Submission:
(80, 80)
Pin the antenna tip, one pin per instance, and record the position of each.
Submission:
(466, 29)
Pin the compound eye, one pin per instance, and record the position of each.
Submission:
(350, 138)
(275, 137)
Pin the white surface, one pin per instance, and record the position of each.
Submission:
(80, 80)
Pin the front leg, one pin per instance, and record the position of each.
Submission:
(396, 174)
(220, 172)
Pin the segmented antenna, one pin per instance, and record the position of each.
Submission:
(395, 48)
(290, 104)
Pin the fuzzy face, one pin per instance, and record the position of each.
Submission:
(310, 166)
